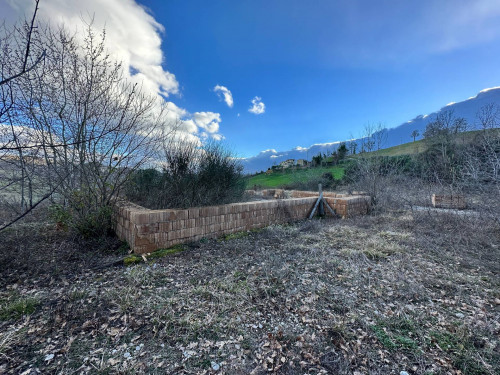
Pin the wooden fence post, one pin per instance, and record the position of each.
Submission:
(321, 208)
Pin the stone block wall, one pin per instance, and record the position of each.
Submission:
(148, 230)
(449, 201)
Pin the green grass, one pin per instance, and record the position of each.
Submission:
(417, 147)
(397, 333)
(279, 179)
(16, 307)
(135, 259)
(410, 148)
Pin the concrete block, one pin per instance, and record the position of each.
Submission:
(193, 213)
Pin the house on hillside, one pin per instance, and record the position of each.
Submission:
(302, 163)
(287, 163)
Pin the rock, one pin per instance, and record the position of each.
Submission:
(113, 361)
(403, 373)
(127, 355)
(459, 315)
(188, 353)
(49, 357)
(215, 366)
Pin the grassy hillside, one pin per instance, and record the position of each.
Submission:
(281, 178)
(287, 177)
(412, 148)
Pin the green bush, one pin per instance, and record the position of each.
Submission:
(88, 221)
(95, 222)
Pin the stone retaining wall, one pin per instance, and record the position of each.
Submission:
(457, 202)
(148, 230)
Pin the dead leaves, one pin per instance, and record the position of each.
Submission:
(281, 302)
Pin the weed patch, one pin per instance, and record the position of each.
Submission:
(16, 307)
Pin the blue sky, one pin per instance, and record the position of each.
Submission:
(323, 69)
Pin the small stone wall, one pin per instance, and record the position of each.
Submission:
(457, 202)
(148, 230)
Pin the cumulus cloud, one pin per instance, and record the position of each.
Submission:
(208, 121)
(258, 107)
(225, 94)
(133, 37)
(218, 137)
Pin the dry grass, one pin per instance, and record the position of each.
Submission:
(379, 295)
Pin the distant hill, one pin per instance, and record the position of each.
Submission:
(395, 136)
(279, 179)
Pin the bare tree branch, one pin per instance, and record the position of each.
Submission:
(26, 69)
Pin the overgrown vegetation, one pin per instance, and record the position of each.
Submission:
(407, 289)
(192, 176)
(73, 128)
(449, 161)
(398, 291)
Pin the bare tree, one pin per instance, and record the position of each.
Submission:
(25, 68)
(16, 61)
(88, 127)
(482, 159)
(370, 169)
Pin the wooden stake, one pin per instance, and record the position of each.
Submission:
(321, 210)
(319, 202)
(329, 208)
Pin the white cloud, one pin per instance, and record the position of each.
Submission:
(217, 137)
(274, 156)
(188, 126)
(258, 107)
(207, 120)
(133, 37)
(224, 93)
(328, 143)
(299, 148)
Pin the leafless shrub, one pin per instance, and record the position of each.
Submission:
(192, 175)
(454, 163)
(76, 129)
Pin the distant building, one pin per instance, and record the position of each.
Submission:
(302, 163)
(287, 163)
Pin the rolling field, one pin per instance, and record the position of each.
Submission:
(417, 147)
(282, 178)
